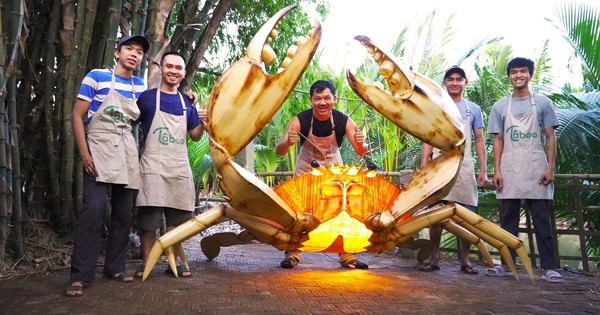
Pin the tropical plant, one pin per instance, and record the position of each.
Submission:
(580, 26)
(578, 136)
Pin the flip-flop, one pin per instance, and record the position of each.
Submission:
(429, 267)
(121, 277)
(289, 262)
(78, 289)
(552, 277)
(139, 272)
(469, 269)
(498, 271)
(181, 272)
(353, 263)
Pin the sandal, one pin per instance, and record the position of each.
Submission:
(181, 272)
(289, 262)
(429, 267)
(139, 272)
(353, 263)
(121, 277)
(498, 271)
(552, 276)
(74, 288)
(469, 269)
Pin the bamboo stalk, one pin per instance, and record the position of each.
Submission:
(49, 105)
(70, 37)
(110, 32)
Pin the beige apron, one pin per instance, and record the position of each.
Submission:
(465, 187)
(322, 149)
(165, 169)
(326, 151)
(523, 157)
(110, 140)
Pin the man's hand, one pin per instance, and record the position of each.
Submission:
(88, 165)
(482, 179)
(292, 138)
(547, 177)
(203, 113)
(191, 95)
(498, 181)
(359, 137)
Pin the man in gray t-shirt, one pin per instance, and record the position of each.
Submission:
(522, 125)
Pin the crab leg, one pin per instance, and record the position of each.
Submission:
(495, 236)
(181, 233)
(464, 233)
(480, 227)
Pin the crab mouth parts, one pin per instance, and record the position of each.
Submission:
(260, 50)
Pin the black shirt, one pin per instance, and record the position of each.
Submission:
(323, 128)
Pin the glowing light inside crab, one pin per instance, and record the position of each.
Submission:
(341, 198)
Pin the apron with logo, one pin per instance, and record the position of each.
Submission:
(465, 187)
(322, 149)
(110, 140)
(523, 157)
(165, 169)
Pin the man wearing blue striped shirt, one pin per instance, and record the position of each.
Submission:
(103, 115)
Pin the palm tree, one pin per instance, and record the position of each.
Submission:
(579, 134)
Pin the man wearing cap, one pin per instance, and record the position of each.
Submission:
(103, 115)
(464, 191)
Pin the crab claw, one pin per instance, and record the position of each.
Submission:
(415, 103)
(422, 108)
(247, 97)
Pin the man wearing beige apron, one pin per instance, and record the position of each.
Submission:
(522, 124)
(323, 129)
(167, 185)
(464, 191)
(102, 122)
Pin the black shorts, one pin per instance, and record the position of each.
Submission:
(149, 218)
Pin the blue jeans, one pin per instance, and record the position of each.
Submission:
(88, 232)
(540, 215)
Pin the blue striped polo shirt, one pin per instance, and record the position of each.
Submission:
(96, 84)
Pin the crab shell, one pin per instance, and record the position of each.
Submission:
(244, 100)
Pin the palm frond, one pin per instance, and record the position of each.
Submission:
(580, 24)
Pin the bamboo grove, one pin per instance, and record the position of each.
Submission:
(47, 47)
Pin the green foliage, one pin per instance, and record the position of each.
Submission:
(201, 162)
(580, 23)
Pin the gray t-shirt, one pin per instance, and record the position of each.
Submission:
(545, 112)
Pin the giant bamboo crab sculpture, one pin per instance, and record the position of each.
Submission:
(335, 208)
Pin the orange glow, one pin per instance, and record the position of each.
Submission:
(340, 199)
(354, 236)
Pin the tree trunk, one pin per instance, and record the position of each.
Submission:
(210, 31)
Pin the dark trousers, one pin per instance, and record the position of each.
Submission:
(540, 214)
(89, 229)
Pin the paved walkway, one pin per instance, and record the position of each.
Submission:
(247, 280)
